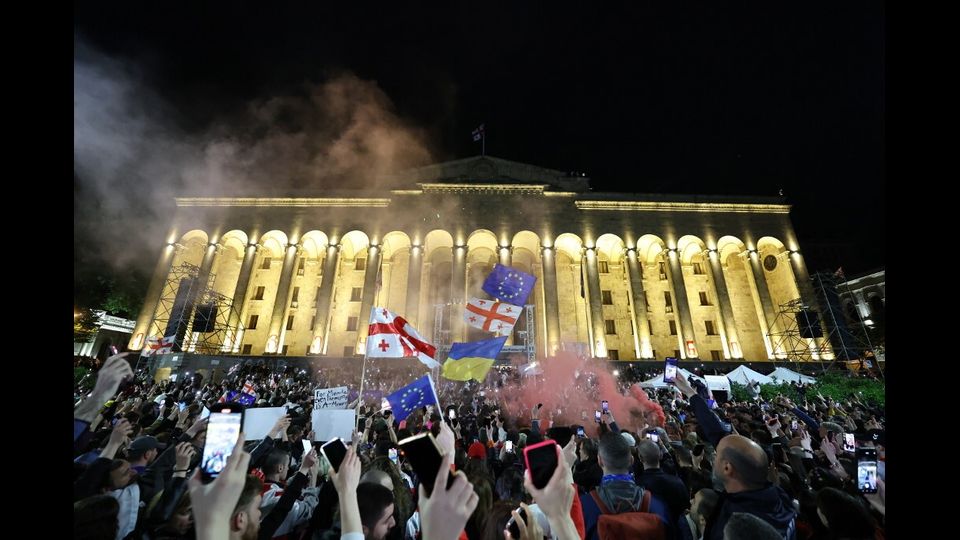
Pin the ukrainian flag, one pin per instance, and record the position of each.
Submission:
(472, 360)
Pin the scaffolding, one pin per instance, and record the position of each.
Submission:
(195, 313)
(837, 339)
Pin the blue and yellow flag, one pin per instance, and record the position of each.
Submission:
(472, 360)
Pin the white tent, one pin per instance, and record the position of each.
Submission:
(784, 375)
(744, 375)
(718, 383)
(657, 382)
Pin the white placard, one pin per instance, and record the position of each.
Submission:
(330, 398)
(257, 422)
(330, 423)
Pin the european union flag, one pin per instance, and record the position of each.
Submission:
(246, 399)
(411, 397)
(509, 284)
(472, 360)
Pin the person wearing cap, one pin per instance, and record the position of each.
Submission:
(142, 451)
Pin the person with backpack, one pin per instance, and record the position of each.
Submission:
(619, 508)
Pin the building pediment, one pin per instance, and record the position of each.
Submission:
(490, 171)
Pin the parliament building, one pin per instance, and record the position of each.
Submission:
(619, 276)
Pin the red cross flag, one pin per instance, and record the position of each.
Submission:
(391, 336)
(155, 345)
(491, 315)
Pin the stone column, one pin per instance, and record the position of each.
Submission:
(682, 304)
(413, 286)
(458, 284)
(319, 342)
(374, 254)
(765, 312)
(239, 303)
(551, 300)
(599, 344)
(282, 301)
(638, 305)
(728, 325)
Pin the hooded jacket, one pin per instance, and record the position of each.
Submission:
(771, 504)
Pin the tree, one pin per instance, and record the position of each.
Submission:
(85, 326)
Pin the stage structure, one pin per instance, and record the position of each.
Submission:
(195, 313)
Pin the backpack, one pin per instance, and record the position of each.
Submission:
(640, 525)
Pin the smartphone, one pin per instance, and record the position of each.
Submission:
(306, 446)
(113, 350)
(423, 454)
(596, 416)
(541, 459)
(334, 451)
(223, 430)
(452, 414)
(512, 524)
(849, 442)
(653, 437)
(392, 454)
(669, 370)
(580, 433)
(867, 470)
(605, 406)
(772, 421)
(539, 406)
(509, 446)
(793, 424)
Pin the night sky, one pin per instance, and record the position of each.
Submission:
(643, 98)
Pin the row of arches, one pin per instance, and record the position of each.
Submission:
(306, 293)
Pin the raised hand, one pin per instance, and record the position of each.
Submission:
(444, 514)
(213, 503)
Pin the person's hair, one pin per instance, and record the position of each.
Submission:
(497, 519)
(481, 485)
(252, 486)
(615, 453)
(684, 455)
(373, 499)
(509, 485)
(649, 452)
(752, 473)
(274, 460)
(709, 499)
(401, 495)
(743, 526)
(761, 436)
(846, 516)
(295, 429)
(95, 518)
(589, 447)
(477, 467)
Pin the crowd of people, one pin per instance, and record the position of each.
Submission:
(684, 467)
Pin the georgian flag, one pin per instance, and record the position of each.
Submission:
(159, 346)
(390, 336)
(491, 315)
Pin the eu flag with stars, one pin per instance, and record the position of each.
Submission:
(413, 396)
(509, 284)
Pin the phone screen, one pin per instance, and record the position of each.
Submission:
(223, 430)
(580, 432)
(849, 442)
(867, 470)
(392, 454)
(542, 462)
(596, 416)
(653, 437)
(452, 414)
(669, 370)
(605, 406)
(793, 424)
(509, 446)
(334, 451)
(306, 446)
(512, 524)
(423, 454)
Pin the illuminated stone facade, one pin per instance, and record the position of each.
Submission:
(627, 276)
